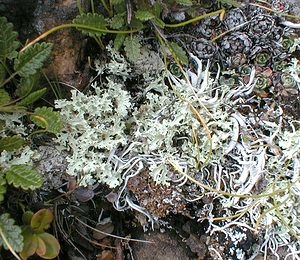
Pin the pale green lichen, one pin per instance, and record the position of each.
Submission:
(112, 137)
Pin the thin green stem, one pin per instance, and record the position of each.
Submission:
(78, 26)
(79, 6)
(195, 19)
(107, 8)
(8, 79)
(92, 6)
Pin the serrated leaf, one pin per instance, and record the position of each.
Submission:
(27, 85)
(119, 40)
(4, 97)
(178, 52)
(11, 233)
(144, 15)
(2, 186)
(92, 20)
(48, 119)
(184, 2)
(136, 23)
(32, 97)
(24, 176)
(116, 2)
(230, 2)
(8, 40)
(32, 59)
(11, 143)
(157, 9)
(132, 48)
(41, 220)
(50, 246)
(118, 21)
(2, 74)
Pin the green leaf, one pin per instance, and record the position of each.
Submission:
(31, 98)
(116, 2)
(10, 234)
(2, 186)
(8, 40)
(4, 97)
(27, 85)
(11, 143)
(30, 243)
(26, 217)
(31, 59)
(119, 40)
(230, 2)
(2, 73)
(24, 176)
(48, 119)
(41, 220)
(184, 2)
(12, 109)
(157, 9)
(92, 20)
(144, 15)
(178, 52)
(50, 248)
(118, 21)
(132, 48)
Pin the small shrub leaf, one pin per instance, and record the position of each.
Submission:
(8, 40)
(178, 52)
(27, 85)
(32, 97)
(2, 74)
(144, 15)
(52, 246)
(30, 243)
(31, 59)
(132, 48)
(24, 176)
(184, 2)
(118, 21)
(4, 97)
(48, 119)
(2, 186)
(92, 20)
(41, 220)
(119, 40)
(10, 233)
(116, 2)
(11, 143)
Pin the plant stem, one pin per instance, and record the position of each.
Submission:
(195, 19)
(78, 26)
(8, 79)
(106, 7)
(79, 6)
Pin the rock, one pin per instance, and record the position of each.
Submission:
(68, 62)
(165, 246)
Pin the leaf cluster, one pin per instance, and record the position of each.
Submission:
(123, 17)
(19, 89)
(36, 239)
